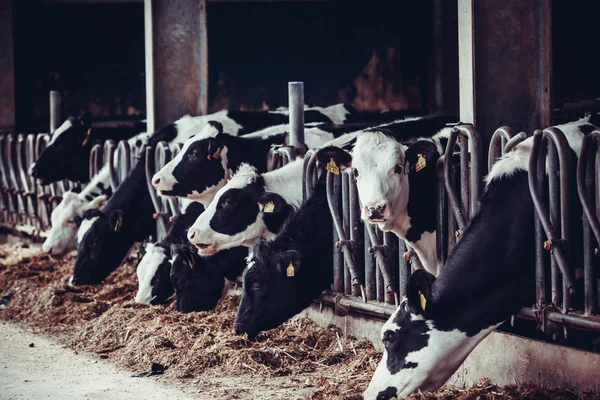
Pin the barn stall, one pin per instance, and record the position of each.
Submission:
(370, 267)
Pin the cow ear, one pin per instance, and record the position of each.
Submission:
(115, 218)
(97, 203)
(418, 291)
(272, 203)
(86, 120)
(214, 149)
(334, 158)
(290, 262)
(421, 155)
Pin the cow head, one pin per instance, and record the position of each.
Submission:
(240, 213)
(61, 237)
(273, 290)
(101, 244)
(418, 354)
(153, 272)
(66, 153)
(200, 168)
(382, 167)
(198, 284)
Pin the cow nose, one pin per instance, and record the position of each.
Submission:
(376, 212)
(191, 233)
(156, 180)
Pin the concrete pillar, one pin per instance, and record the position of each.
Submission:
(505, 60)
(7, 67)
(176, 60)
(444, 79)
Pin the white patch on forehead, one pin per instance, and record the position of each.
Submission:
(65, 125)
(376, 145)
(146, 269)
(86, 224)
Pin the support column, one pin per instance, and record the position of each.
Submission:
(7, 67)
(176, 60)
(505, 59)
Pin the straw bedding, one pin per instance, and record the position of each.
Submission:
(104, 320)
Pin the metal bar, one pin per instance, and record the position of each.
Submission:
(356, 232)
(55, 110)
(464, 176)
(442, 221)
(380, 252)
(296, 107)
(95, 160)
(586, 188)
(497, 144)
(346, 226)
(370, 267)
(404, 267)
(454, 202)
(513, 142)
(540, 268)
(334, 204)
(109, 152)
(123, 156)
(382, 311)
(553, 208)
(573, 320)
(203, 70)
(554, 243)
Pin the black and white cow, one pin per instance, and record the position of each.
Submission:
(200, 282)
(102, 239)
(62, 235)
(205, 162)
(248, 207)
(154, 269)
(286, 274)
(67, 154)
(395, 170)
(489, 276)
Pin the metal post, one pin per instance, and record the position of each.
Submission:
(296, 105)
(55, 110)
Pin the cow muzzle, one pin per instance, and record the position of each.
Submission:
(376, 213)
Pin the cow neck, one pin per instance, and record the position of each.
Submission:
(116, 133)
(252, 151)
(490, 273)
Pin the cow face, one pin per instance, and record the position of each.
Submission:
(240, 213)
(381, 167)
(153, 272)
(198, 285)
(200, 168)
(61, 237)
(417, 355)
(66, 152)
(101, 244)
(273, 284)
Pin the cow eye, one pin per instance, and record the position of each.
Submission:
(255, 286)
(388, 336)
(71, 221)
(355, 172)
(224, 203)
(195, 154)
(398, 169)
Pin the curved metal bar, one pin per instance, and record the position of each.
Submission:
(16, 187)
(44, 205)
(123, 156)
(26, 184)
(311, 175)
(30, 157)
(452, 197)
(96, 160)
(151, 155)
(586, 162)
(109, 153)
(497, 144)
(538, 152)
(346, 245)
(380, 252)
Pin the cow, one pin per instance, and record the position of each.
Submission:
(489, 276)
(67, 154)
(286, 274)
(394, 166)
(62, 235)
(200, 282)
(154, 269)
(248, 207)
(206, 162)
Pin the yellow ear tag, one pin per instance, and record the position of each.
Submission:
(290, 270)
(116, 225)
(269, 207)
(332, 167)
(423, 300)
(87, 137)
(421, 163)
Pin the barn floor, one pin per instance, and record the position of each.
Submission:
(205, 360)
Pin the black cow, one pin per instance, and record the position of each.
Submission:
(199, 282)
(67, 154)
(286, 274)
